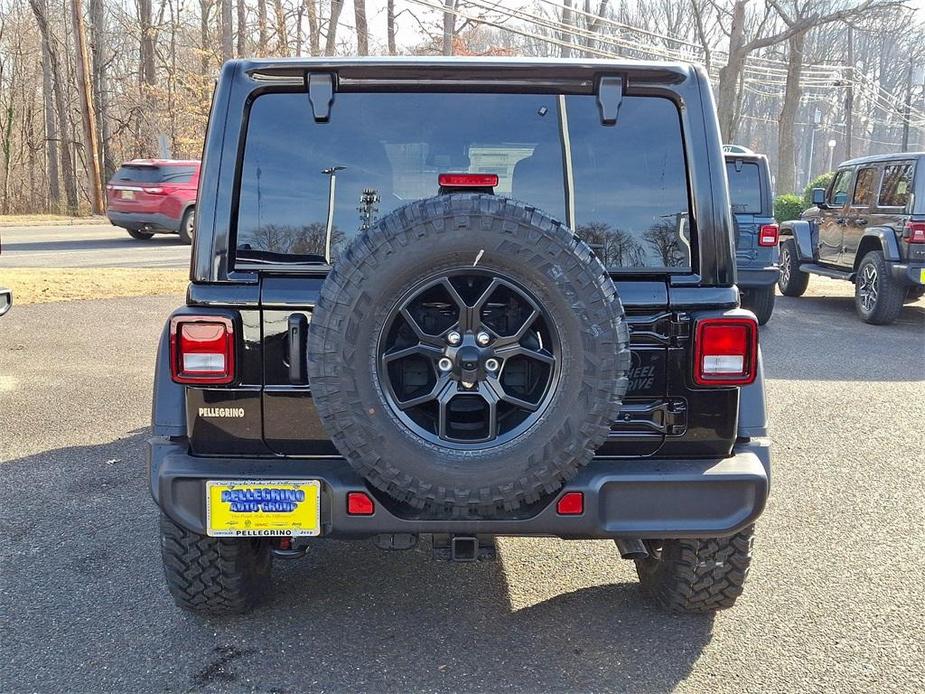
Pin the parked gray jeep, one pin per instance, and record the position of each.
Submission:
(867, 227)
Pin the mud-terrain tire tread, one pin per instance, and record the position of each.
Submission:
(698, 575)
(798, 280)
(890, 297)
(139, 234)
(436, 221)
(760, 301)
(214, 575)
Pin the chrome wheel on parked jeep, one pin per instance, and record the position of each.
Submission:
(469, 359)
(467, 354)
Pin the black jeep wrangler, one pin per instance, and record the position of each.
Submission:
(867, 227)
(461, 299)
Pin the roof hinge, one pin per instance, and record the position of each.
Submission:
(320, 94)
(610, 98)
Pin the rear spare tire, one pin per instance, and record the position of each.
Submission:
(467, 354)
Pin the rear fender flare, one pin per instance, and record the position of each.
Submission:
(885, 237)
(802, 231)
(168, 408)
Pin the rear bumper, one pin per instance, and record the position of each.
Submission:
(643, 498)
(140, 220)
(910, 274)
(749, 277)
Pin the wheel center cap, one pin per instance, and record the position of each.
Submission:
(468, 364)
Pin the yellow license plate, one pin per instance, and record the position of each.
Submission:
(263, 508)
(128, 194)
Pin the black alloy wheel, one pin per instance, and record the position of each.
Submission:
(468, 359)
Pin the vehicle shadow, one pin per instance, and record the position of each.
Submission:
(821, 338)
(82, 581)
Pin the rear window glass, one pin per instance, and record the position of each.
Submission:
(155, 174)
(897, 182)
(381, 151)
(744, 187)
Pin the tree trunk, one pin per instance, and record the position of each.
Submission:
(227, 30)
(262, 28)
(449, 26)
(100, 75)
(359, 11)
(565, 36)
(282, 38)
(67, 166)
(242, 28)
(85, 90)
(727, 97)
(390, 25)
(51, 132)
(786, 149)
(205, 41)
(314, 27)
(330, 45)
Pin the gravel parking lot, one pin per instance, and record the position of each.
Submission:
(834, 601)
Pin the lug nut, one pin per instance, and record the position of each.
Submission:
(444, 364)
(483, 339)
(491, 364)
(454, 338)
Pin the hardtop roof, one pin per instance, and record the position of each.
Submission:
(874, 158)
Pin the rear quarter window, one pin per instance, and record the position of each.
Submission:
(896, 185)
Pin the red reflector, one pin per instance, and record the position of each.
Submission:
(914, 232)
(202, 349)
(467, 180)
(359, 504)
(571, 504)
(726, 351)
(768, 235)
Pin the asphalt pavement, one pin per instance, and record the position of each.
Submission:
(834, 601)
(88, 245)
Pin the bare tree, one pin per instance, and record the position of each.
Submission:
(227, 30)
(314, 27)
(330, 40)
(242, 28)
(359, 11)
(262, 27)
(449, 26)
(282, 37)
(85, 90)
(390, 25)
(39, 9)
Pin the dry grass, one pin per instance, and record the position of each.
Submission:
(17, 220)
(43, 285)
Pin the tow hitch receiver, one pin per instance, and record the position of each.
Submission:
(464, 547)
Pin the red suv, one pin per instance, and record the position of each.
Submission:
(154, 196)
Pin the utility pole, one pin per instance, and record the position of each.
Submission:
(92, 149)
(849, 94)
(907, 107)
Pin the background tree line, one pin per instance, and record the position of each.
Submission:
(87, 84)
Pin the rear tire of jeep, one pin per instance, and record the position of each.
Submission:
(877, 297)
(187, 226)
(792, 280)
(760, 301)
(139, 234)
(487, 244)
(696, 575)
(214, 575)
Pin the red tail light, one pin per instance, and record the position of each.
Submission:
(467, 180)
(154, 190)
(914, 232)
(202, 349)
(768, 235)
(725, 351)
